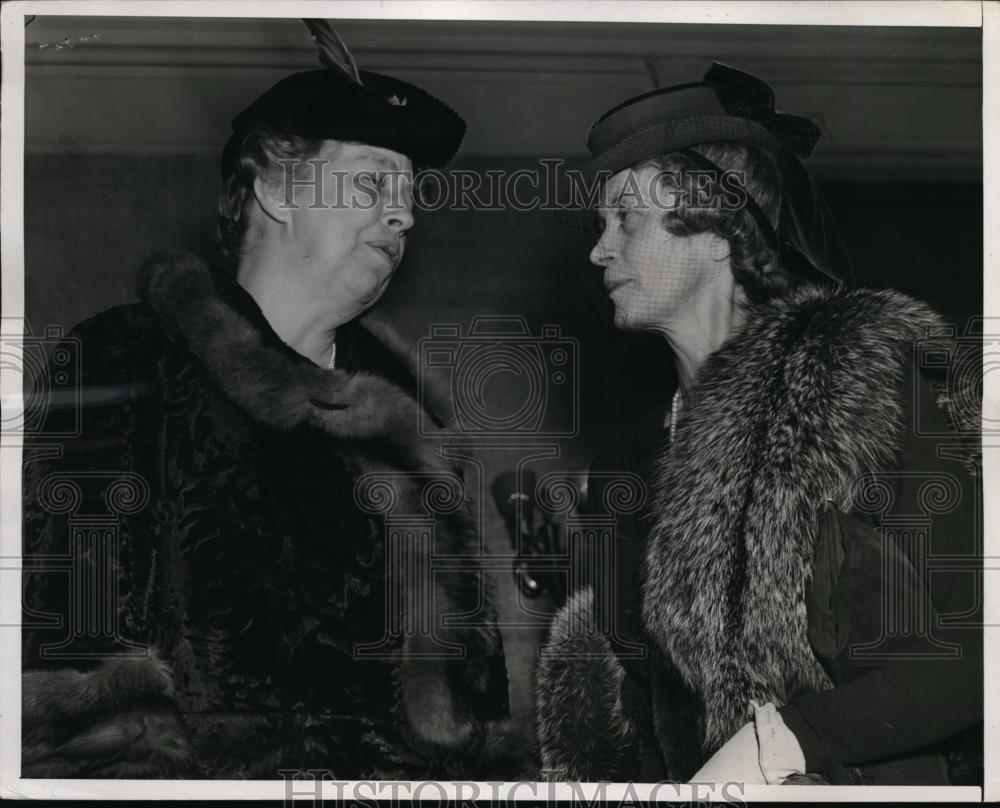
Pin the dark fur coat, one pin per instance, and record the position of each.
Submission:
(802, 410)
(246, 496)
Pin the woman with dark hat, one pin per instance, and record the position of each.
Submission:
(261, 596)
(776, 619)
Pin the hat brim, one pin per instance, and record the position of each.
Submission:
(381, 111)
(673, 135)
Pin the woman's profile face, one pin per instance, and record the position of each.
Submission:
(349, 222)
(650, 273)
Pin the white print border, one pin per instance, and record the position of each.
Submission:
(535, 792)
(887, 13)
(991, 399)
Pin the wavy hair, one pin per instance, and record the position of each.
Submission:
(756, 263)
(259, 152)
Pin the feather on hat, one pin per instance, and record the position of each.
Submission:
(341, 102)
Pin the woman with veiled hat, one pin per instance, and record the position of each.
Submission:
(263, 599)
(773, 613)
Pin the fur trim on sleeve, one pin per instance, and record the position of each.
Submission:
(584, 733)
(116, 721)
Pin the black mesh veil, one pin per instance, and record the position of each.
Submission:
(807, 229)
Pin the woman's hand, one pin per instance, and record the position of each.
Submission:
(763, 752)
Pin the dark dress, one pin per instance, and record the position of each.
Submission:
(230, 538)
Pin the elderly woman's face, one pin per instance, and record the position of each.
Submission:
(650, 274)
(350, 239)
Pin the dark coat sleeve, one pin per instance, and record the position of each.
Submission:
(901, 706)
(96, 701)
(89, 462)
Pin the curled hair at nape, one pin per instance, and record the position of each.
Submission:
(704, 201)
(261, 153)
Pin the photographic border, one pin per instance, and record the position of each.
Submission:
(963, 13)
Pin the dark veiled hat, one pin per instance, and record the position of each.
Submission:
(339, 102)
(727, 104)
(730, 105)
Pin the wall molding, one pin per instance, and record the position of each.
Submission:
(908, 99)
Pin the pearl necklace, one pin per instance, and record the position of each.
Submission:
(333, 354)
(675, 410)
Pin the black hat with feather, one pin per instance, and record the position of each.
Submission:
(341, 102)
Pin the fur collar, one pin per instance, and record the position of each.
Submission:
(277, 387)
(790, 413)
(374, 424)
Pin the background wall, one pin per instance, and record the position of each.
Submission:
(125, 119)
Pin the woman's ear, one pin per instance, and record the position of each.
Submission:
(270, 200)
